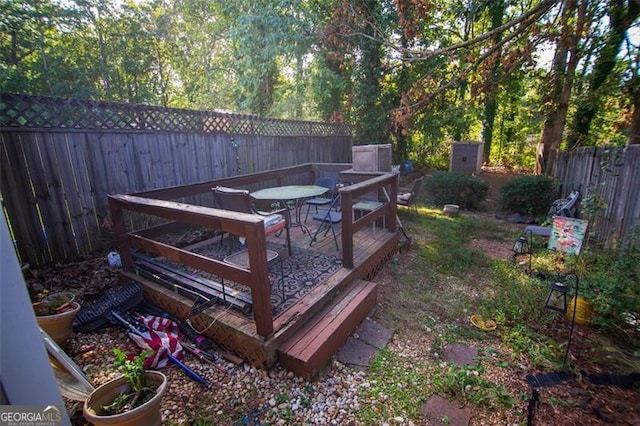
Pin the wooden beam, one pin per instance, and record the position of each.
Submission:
(232, 222)
(280, 175)
(260, 284)
(194, 260)
(120, 231)
(347, 228)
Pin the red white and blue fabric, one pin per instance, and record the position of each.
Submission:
(162, 337)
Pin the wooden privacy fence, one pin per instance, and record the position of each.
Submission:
(60, 158)
(609, 181)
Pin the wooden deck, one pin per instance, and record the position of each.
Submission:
(308, 350)
(231, 328)
(310, 327)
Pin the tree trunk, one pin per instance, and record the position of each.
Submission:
(489, 116)
(561, 76)
(622, 16)
(371, 122)
(496, 12)
(634, 129)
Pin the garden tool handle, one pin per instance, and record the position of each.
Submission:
(173, 359)
(195, 376)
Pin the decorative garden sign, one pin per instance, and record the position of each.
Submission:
(567, 234)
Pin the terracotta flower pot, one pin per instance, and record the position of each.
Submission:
(148, 414)
(58, 326)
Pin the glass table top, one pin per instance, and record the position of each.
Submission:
(289, 192)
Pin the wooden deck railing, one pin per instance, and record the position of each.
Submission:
(159, 204)
(241, 224)
(383, 188)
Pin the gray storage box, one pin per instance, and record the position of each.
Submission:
(466, 157)
(371, 158)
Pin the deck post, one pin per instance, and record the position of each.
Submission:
(346, 200)
(393, 205)
(260, 285)
(120, 233)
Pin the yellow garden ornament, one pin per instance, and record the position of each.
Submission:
(486, 324)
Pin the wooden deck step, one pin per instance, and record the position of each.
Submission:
(309, 350)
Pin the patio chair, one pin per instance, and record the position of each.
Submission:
(407, 197)
(328, 219)
(561, 208)
(239, 200)
(330, 184)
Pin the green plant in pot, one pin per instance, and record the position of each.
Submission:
(131, 399)
(55, 314)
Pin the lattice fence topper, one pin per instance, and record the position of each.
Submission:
(63, 114)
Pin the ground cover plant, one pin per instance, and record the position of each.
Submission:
(462, 266)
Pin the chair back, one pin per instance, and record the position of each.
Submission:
(237, 200)
(415, 191)
(417, 185)
(327, 182)
(565, 207)
(568, 209)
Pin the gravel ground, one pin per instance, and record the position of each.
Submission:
(239, 392)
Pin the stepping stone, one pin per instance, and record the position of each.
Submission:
(460, 354)
(514, 218)
(363, 346)
(374, 334)
(438, 411)
(355, 352)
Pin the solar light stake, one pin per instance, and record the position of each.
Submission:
(557, 298)
(522, 246)
(557, 301)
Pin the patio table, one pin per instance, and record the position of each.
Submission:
(291, 193)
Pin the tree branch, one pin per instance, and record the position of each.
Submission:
(412, 108)
(415, 56)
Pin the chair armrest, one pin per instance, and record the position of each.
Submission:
(284, 212)
(266, 208)
(271, 212)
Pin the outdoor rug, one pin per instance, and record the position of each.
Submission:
(302, 271)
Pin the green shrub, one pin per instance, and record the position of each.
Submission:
(456, 188)
(531, 195)
(611, 282)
